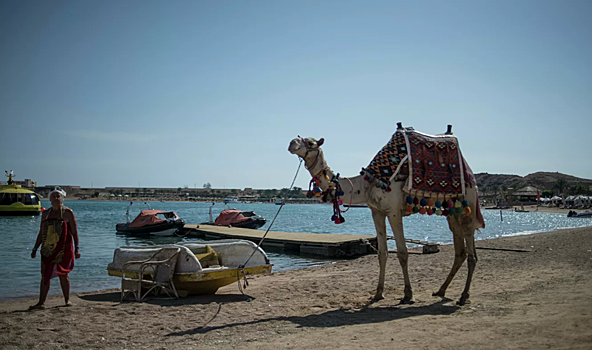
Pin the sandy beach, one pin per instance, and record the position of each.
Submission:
(541, 298)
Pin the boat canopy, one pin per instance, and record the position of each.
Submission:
(14, 189)
(10, 194)
(230, 216)
(149, 217)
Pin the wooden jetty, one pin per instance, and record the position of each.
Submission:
(320, 244)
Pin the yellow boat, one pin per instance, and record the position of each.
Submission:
(202, 267)
(16, 200)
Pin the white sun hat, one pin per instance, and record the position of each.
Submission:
(58, 190)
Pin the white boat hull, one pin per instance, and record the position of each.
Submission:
(197, 270)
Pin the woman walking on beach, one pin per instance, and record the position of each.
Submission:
(58, 230)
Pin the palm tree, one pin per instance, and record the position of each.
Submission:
(560, 185)
(484, 189)
(495, 192)
(503, 189)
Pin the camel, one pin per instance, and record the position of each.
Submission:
(390, 202)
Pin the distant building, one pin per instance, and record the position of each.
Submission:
(526, 194)
(27, 183)
(71, 191)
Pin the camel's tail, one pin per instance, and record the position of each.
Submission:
(478, 212)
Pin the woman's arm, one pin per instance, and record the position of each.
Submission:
(73, 227)
(38, 241)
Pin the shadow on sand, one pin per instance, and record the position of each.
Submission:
(115, 297)
(342, 317)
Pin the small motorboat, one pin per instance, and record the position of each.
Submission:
(236, 218)
(583, 214)
(201, 268)
(230, 200)
(152, 222)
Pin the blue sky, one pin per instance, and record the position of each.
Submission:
(181, 93)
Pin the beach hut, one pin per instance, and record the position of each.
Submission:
(526, 194)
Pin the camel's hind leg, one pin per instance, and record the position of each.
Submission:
(472, 262)
(402, 255)
(460, 255)
(380, 225)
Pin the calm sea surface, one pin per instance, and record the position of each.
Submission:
(20, 275)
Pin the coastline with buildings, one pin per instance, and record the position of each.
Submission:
(498, 190)
(247, 195)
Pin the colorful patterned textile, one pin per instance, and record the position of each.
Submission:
(386, 162)
(437, 173)
(57, 254)
(436, 165)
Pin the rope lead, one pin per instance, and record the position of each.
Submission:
(242, 267)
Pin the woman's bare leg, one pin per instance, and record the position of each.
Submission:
(65, 284)
(43, 290)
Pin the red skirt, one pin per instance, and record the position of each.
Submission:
(57, 252)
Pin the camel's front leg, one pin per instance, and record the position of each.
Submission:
(396, 222)
(471, 262)
(380, 225)
(459, 257)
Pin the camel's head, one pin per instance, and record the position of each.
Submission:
(305, 146)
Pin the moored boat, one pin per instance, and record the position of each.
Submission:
(583, 214)
(230, 200)
(236, 218)
(16, 200)
(200, 268)
(152, 222)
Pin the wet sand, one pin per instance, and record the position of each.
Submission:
(541, 298)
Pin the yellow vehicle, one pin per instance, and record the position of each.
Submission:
(16, 200)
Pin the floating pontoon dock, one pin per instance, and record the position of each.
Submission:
(322, 244)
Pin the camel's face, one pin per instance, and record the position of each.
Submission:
(304, 146)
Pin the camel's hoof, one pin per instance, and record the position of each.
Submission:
(439, 293)
(463, 301)
(407, 300)
(377, 297)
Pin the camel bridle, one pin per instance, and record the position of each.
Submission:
(308, 150)
(334, 191)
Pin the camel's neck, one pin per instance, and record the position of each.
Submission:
(355, 189)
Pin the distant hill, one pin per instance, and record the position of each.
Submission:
(540, 180)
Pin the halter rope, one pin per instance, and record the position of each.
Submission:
(241, 268)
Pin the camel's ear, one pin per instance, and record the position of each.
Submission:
(320, 142)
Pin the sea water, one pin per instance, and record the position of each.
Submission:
(20, 275)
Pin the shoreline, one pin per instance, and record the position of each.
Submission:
(530, 208)
(535, 299)
(540, 209)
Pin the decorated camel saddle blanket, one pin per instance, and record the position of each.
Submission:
(433, 166)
